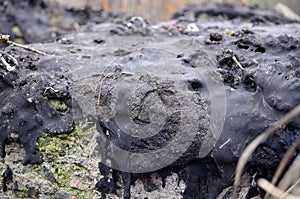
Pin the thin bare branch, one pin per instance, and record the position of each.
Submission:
(26, 48)
(5, 39)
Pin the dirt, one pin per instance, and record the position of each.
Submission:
(181, 97)
(36, 21)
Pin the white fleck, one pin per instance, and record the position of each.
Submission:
(225, 143)
(129, 25)
(192, 27)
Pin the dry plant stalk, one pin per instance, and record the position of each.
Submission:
(283, 164)
(258, 140)
(5, 39)
(237, 62)
(291, 176)
(274, 191)
(286, 193)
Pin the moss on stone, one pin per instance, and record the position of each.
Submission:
(69, 174)
(59, 105)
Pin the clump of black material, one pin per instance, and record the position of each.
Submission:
(7, 177)
(147, 90)
(257, 94)
(26, 113)
(214, 38)
(231, 73)
(199, 174)
(251, 43)
(109, 184)
(106, 184)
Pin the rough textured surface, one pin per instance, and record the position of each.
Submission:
(26, 112)
(35, 21)
(229, 11)
(98, 65)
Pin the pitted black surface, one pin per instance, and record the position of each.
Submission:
(257, 95)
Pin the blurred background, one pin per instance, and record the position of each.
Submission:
(158, 10)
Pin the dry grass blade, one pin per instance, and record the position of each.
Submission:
(237, 62)
(252, 146)
(291, 176)
(274, 191)
(283, 164)
(285, 194)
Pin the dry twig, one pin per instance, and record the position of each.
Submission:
(5, 39)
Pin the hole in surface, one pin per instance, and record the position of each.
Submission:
(260, 50)
(194, 85)
(249, 84)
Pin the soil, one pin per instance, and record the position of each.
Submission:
(36, 21)
(175, 82)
